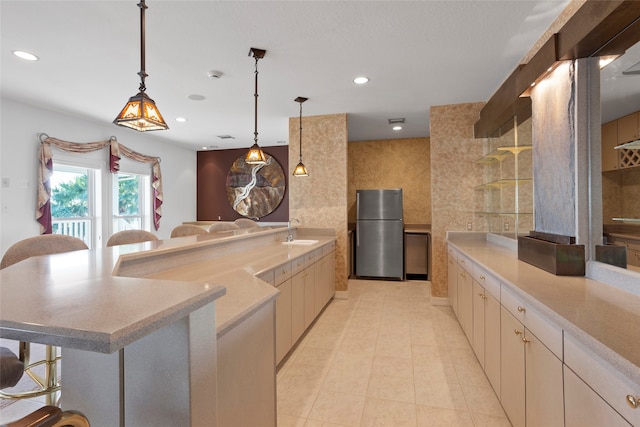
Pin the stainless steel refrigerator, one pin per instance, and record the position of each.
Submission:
(379, 234)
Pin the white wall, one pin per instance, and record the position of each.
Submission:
(19, 147)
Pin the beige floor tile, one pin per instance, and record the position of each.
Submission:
(289, 421)
(338, 408)
(440, 395)
(429, 416)
(388, 413)
(388, 387)
(482, 400)
(395, 366)
(482, 420)
(386, 357)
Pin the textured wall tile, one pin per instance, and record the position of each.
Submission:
(320, 199)
(454, 174)
(393, 163)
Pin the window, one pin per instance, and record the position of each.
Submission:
(131, 201)
(74, 191)
(83, 192)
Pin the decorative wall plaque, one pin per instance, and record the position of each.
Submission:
(255, 191)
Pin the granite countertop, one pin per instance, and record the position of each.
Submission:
(72, 300)
(79, 302)
(604, 318)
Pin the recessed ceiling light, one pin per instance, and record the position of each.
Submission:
(397, 127)
(361, 80)
(25, 55)
(181, 119)
(196, 97)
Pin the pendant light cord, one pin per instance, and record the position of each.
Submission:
(142, 5)
(301, 132)
(255, 132)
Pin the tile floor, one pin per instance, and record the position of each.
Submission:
(385, 357)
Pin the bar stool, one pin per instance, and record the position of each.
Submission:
(131, 236)
(45, 244)
(187, 230)
(246, 223)
(222, 226)
(11, 370)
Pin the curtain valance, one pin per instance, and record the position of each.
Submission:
(116, 150)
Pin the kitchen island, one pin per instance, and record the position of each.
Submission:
(142, 341)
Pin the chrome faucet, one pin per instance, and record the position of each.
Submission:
(289, 235)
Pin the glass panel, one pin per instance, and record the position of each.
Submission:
(71, 210)
(130, 202)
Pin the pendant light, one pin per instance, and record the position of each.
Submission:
(255, 156)
(141, 112)
(300, 170)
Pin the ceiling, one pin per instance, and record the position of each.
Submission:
(416, 53)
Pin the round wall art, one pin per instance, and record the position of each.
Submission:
(255, 191)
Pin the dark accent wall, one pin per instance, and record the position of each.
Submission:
(211, 197)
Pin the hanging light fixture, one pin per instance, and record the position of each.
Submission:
(300, 170)
(255, 156)
(141, 112)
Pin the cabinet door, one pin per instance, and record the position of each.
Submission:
(323, 283)
(512, 372)
(584, 408)
(283, 320)
(492, 342)
(309, 296)
(609, 142)
(297, 306)
(628, 128)
(452, 278)
(544, 386)
(465, 302)
(479, 298)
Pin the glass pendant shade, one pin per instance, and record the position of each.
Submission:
(141, 114)
(255, 156)
(300, 170)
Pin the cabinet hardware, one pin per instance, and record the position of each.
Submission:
(462, 274)
(521, 309)
(481, 277)
(517, 332)
(633, 401)
(525, 341)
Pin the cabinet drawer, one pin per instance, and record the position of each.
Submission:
(452, 253)
(268, 276)
(310, 258)
(487, 281)
(328, 248)
(544, 330)
(465, 262)
(603, 378)
(297, 265)
(282, 273)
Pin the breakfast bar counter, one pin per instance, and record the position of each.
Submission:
(161, 311)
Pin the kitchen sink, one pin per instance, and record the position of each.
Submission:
(300, 242)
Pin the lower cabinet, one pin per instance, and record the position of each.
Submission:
(584, 408)
(465, 301)
(452, 280)
(283, 320)
(531, 388)
(302, 296)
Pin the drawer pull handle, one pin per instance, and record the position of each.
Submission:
(483, 296)
(481, 277)
(633, 401)
(521, 309)
(462, 274)
(525, 341)
(517, 332)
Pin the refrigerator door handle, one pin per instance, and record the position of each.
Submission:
(357, 216)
